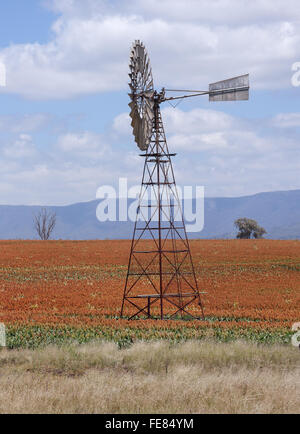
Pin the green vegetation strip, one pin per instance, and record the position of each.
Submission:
(61, 273)
(41, 336)
(95, 272)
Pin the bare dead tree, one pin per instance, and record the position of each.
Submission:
(44, 223)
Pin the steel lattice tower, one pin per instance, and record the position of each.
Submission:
(161, 281)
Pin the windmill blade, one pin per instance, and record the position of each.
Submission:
(141, 127)
(232, 89)
(141, 95)
(132, 87)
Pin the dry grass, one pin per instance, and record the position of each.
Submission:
(193, 377)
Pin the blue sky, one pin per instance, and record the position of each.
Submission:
(25, 21)
(64, 126)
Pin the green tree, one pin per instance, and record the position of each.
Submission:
(248, 228)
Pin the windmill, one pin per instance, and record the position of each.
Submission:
(161, 280)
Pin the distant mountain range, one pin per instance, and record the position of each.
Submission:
(278, 212)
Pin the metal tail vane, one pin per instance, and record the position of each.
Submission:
(161, 279)
(231, 89)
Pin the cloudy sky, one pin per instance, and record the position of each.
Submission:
(64, 125)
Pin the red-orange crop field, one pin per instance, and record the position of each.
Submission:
(73, 289)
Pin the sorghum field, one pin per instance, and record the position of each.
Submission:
(56, 291)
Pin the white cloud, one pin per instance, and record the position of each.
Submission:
(286, 120)
(226, 154)
(196, 120)
(21, 148)
(86, 143)
(121, 124)
(68, 170)
(24, 123)
(217, 11)
(232, 12)
(190, 43)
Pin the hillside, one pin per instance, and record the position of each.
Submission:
(277, 212)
